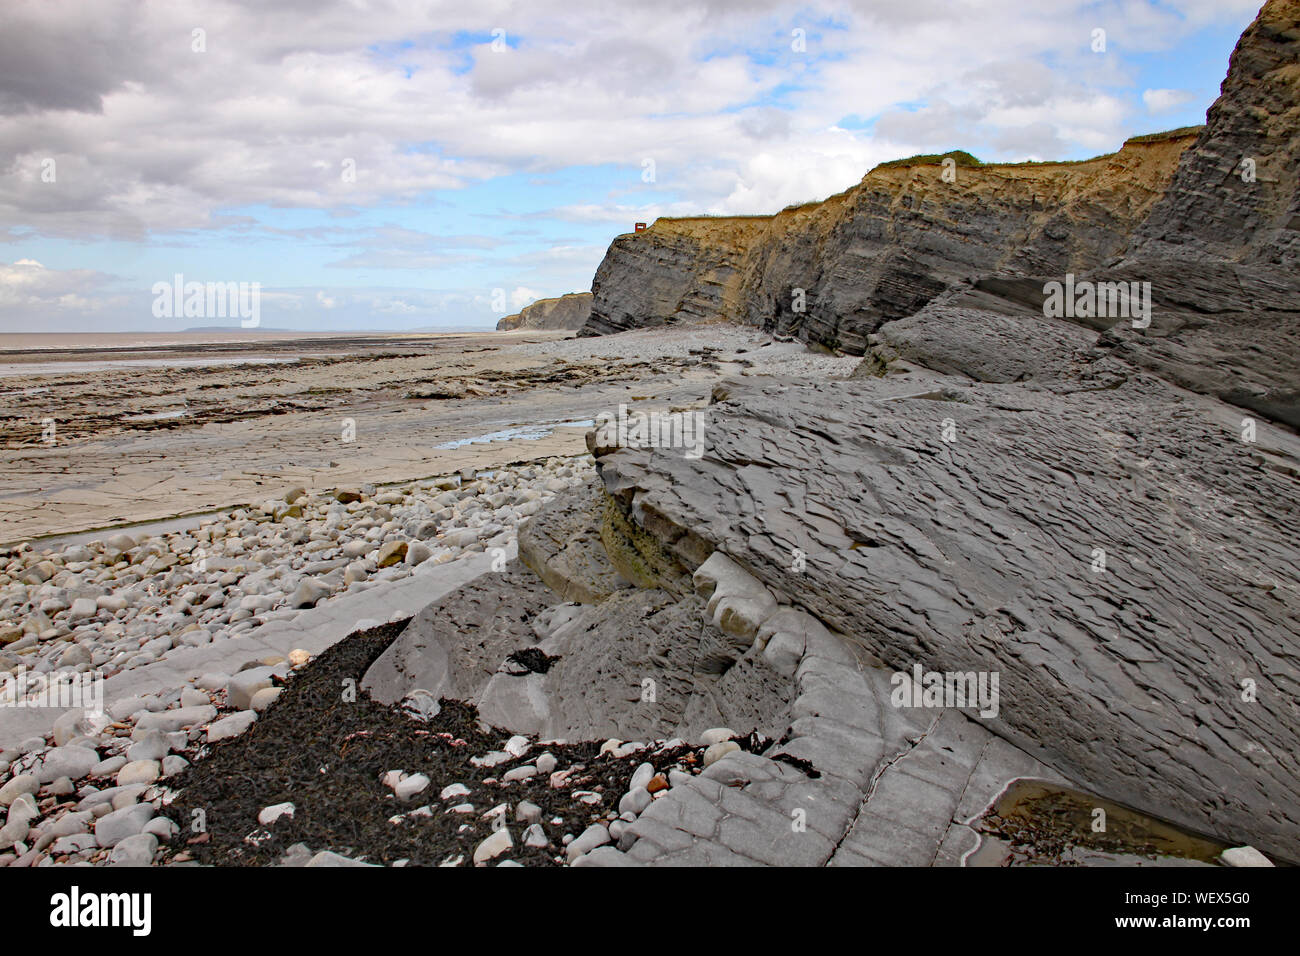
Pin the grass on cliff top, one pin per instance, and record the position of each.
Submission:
(961, 158)
(1167, 134)
(958, 156)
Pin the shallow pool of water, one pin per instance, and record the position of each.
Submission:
(526, 432)
(1038, 822)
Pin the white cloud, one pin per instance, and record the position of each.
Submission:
(520, 297)
(26, 287)
(346, 108)
(1162, 101)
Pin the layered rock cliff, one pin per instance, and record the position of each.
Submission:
(569, 311)
(1236, 193)
(884, 248)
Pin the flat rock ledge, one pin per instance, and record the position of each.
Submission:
(1102, 540)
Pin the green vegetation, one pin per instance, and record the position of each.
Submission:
(1168, 134)
(958, 156)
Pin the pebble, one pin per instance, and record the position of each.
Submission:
(170, 720)
(454, 790)
(517, 746)
(139, 771)
(498, 843)
(77, 843)
(127, 796)
(82, 608)
(635, 801)
(24, 808)
(417, 552)
(716, 735)
(67, 761)
(641, 777)
(329, 858)
(535, 836)
(391, 553)
(23, 783)
(163, 828)
(152, 746)
(527, 812)
(308, 593)
(193, 697)
(410, 786)
(173, 764)
(592, 837)
(546, 763)
(231, 726)
(717, 751)
(264, 698)
(77, 821)
(1244, 856)
(113, 828)
(241, 688)
(137, 850)
(15, 831)
(270, 814)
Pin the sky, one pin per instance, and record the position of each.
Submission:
(386, 165)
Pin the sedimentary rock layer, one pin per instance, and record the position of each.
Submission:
(563, 312)
(884, 248)
(833, 272)
(1236, 193)
(1105, 542)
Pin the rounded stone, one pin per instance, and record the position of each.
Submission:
(719, 750)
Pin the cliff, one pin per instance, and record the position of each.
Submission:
(563, 312)
(884, 248)
(1236, 192)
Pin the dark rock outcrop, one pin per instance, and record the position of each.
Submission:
(563, 312)
(1236, 193)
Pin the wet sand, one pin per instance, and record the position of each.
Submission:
(135, 443)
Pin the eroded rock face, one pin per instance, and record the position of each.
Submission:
(631, 662)
(562, 312)
(1105, 542)
(1219, 328)
(1211, 209)
(833, 272)
(562, 546)
(677, 270)
(884, 248)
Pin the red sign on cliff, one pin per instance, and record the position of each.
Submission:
(640, 227)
